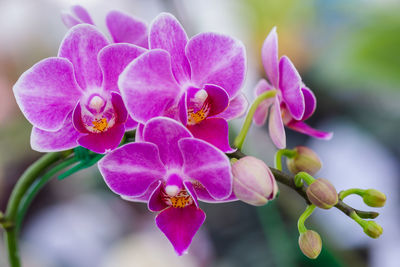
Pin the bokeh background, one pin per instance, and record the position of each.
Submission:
(348, 53)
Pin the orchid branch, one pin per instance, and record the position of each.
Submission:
(288, 180)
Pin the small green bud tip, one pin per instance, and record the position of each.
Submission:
(306, 160)
(374, 198)
(310, 244)
(322, 194)
(372, 229)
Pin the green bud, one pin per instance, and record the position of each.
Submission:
(322, 194)
(372, 229)
(374, 198)
(306, 160)
(310, 244)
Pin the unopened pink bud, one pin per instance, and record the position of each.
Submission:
(322, 194)
(253, 181)
(306, 160)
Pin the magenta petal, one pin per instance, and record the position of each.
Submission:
(213, 130)
(190, 189)
(276, 128)
(130, 124)
(47, 93)
(207, 165)
(156, 202)
(119, 108)
(269, 55)
(113, 59)
(302, 127)
(127, 29)
(180, 225)
(217, 59)
(77, 119)
(218, 99)
(236, 108)
(148, 87)
(310, 102)
(132, 168)
(63, 139)
(165, 133)
(81, 13)
(103, 142)
(290, 86)
(260, 116)
(69, 20)
(145, 197)
(183, 113)
(139, 133)
(81, 46)
(204, 196)
(168, 34)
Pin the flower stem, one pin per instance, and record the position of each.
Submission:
(303, 176)
(303, 217)
(249, 118)
(21, 187)
(33, 191)
(349, 192)
(283, 152)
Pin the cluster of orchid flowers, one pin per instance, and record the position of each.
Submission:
(178, 94)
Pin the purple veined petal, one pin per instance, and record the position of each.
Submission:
(165, 134)
(156, 202)
(290, 86)
(81, 46)
(168, 34)
(63, 139)
(47, 93)
(131, 169)
(145, 197)
(119, 108)
(103, 142)
(269, 55)
(260, 116)
(113, 59)
(237, 108)
(130, 124)
(148, 87)
(81, 13)
(207, 165)
(218, 99)
(183, 112)
(217, 59)
(190, 189)
(127, 29)
(275, 125)
(180, 225)
(139, 133)
(304, 128)
(214, 131)
(310, 102)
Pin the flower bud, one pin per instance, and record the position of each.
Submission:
(374, 198)
(306, 160)
(310, 244)
(372, 229)
(253, 181)
(322, 194)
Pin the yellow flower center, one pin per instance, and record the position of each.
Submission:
(180, 200)
(199, 116)
(100, 125)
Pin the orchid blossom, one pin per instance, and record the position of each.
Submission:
(73, 99)
(122, 27)
(293, 103)
(194, 81)
(170, 170)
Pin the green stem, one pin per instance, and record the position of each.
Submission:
(303, 176)
(23, 184)
(289, 153)
(358, 219)
(33, 191)
(249, 118)
(303, 217)
(351, 191)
